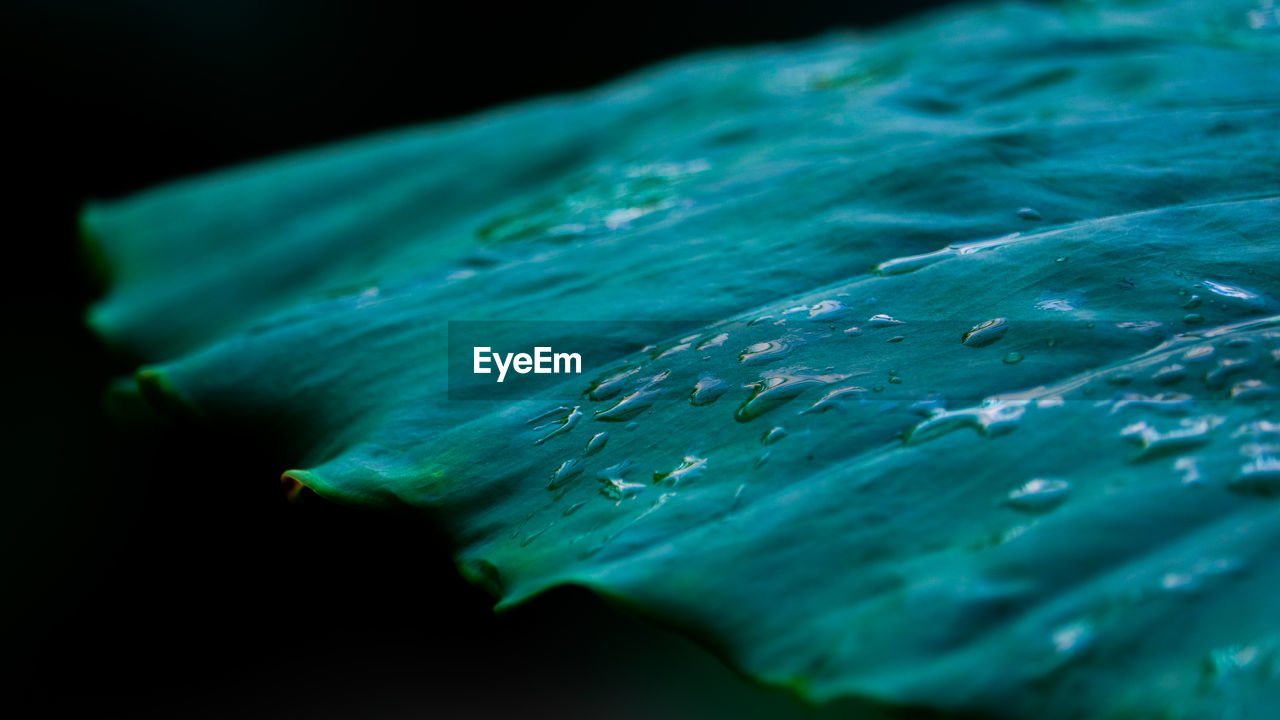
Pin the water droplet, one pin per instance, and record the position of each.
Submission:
(1199, 353)
(1230, 660)
(708, 390)
(714, 342)
(1139, 325)
(635, 403)
(1163, 403)
(1251, 391)
(895, 380)
(1012, 358)
(629, 406)
(568, 470)
(1192, 303)
(1027, 213)
(774, 435)
(596, 444)
(896, 339)
(674, 349)
(1170, 374)
(1193, 318)
(765, 352)
(853, 331)
(565, 425)
(836, 399)
(615, 487)
(995, 416)
(527, 539)
(1039, 495)
(1191, 433)
(985, 333)
(1198, 573)
(1061, 259)
(777, 388)
(1190, 469)
(1261, 475)
(1266, 16)
(883, 321)
(826, 310)
(1216, 379)
(573, 508)
(1073, 636)
(691, 467)
(619, 490)
(1234, 292)
(610, 386)
(901, 265)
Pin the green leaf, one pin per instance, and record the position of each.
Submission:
(1041, 485)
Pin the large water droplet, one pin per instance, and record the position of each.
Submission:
(635, 403)
(610, 386)
(596, 444)
(565, 425)
(826, 310)
(708, 390)
(568, 470)
(765, 352)
(691, 467)
(778, 388)
(1235, 292)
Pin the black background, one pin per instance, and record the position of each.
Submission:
(159, 571)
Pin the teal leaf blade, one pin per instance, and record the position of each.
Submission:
(988, 337)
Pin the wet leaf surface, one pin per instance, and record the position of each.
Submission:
(981, 411)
